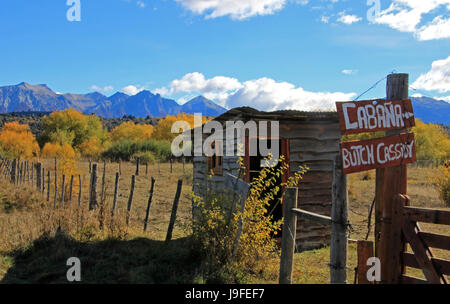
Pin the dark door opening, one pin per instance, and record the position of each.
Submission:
(254, 169)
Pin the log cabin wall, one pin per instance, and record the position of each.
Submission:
(313, 141)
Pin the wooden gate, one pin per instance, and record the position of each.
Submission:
(406, 230)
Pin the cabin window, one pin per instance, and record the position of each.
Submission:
(215, 162)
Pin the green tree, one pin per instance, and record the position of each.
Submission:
(71, 127)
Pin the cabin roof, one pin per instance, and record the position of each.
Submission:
(247, 113)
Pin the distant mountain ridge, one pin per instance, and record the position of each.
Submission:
(25, 97)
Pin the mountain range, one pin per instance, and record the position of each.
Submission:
(25, 97)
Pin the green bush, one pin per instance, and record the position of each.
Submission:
(144, 157)
(125, 149)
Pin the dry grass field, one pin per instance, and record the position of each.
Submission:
(32, 249)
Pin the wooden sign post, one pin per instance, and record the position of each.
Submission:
(389, 155)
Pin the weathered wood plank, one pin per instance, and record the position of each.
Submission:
(421, 253)
(443, 266)
(324, 220)
(339, 216)
(236, 185)
(365, 251)
(427, 215)
(436, 240)
(412, 280)
(288, 236)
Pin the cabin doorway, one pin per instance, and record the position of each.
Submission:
(254, 167)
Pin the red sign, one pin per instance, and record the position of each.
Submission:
(374, 115)
(370, 154)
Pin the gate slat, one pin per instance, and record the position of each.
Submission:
(427, 215)
(442, 265)
(421, 253)
(436, 240)
(412, 280)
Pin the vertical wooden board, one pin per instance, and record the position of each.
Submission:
(288, 236)
(365, 251)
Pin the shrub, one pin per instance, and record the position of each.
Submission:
(214, 230)
(145, 157)
(442, 181)
(125, 149)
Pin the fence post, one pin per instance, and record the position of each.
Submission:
(365, 251)
(389, 182)
(56, 190)
(13, 171)
(339, 224)
(173, 216)
(93, 188)
(38, 176)
(116, 191)
(70, 188)
(102, 197)
(147, 213)
(138, 160)
(130, 198)
(288, 236)
(63, 188)
(48, 185)
(43, 180)
(79, 190)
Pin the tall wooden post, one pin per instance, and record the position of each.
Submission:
(173, 215)
(130, 199)
(289, 235)
(93, 188)
(149, 203)
(56, 190)
(116, 193)
(63, 188)
(339, 217)
(389, 182)
(71, 188)
(38, 176)
(13, 171)
(138, 160)
(79, 190)
(48, 185)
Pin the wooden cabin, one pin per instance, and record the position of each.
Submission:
(306, 138)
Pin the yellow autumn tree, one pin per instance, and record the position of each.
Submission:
(131, 131)
(432, 141)
(17, 141)
(65, 154)
(92, 147)
(163, 130)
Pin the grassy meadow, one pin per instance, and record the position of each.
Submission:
(36, 240)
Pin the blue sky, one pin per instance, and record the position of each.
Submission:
(269, 54)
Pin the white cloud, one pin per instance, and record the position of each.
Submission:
(444, 98)
(349, 72)
(263, 93)
(348, 19)
(132, 90)
(325, 19)
(236, 9)
(106, 89)
(196, 82)
(141, 3)
(407, 15)
(437, 79)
